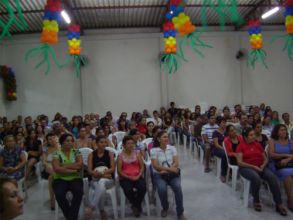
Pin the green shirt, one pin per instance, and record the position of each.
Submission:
(64, 160)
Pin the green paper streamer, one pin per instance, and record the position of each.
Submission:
(288, 44)
(170, 62)
(194, 41)
(78, 60)
(46, 50)
(12, 19)
(255, 56)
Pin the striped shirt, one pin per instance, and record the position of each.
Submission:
(208, 130)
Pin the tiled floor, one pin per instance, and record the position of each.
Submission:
(205, 198)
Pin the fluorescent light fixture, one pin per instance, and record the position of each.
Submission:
(65, 16)
(270, 12)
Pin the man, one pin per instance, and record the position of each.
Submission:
(238, 110)
(88, 130)
(172, 110)
(157, 120)
(243, 123)
(105, 120)
(227, 114)
(287, 122)
(207, 136)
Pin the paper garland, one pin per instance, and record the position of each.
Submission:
(9, 80)
(49, 35)
(21, 24)
(256, 42)
(289, 29)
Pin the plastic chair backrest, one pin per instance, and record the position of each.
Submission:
(120, 147)
(228, 161)
(112, 150)
(119, 135)
(25, 154)
(85, 153)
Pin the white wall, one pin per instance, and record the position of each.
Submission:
(124, 75)
(2, 94)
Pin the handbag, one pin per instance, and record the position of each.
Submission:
(169, 175)
(279, 166)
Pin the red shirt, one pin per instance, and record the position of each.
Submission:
(251, 153)
(142, 129)
(228, 145)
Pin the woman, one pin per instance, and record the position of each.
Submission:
(259, 136)
(101, 167)
(130, 170)
(11, 203)
(47, 157)
(83, 141)
(185, 126)
(275, 118)
(12, 159)
(75, 126)
(19, 138)
(218, 150)
(67, 165)
(163, 112)
(166, 172)
(33, 147)
(267, 125)
(122, 125)
(150, 126)
(252, 162)
(142, 126)
(40, 132)
(231, 142)
(281, 154)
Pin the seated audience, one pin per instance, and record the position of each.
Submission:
(122, 125)
(166, 172)
(19, 139)
(67, 165)
(11, 202)
(101, 168)
(130, 170)
(281, 155)
(218, 150)
(34, 149)
(142, 126)
(243, 123)
(231, 142)
(12, 159)
(267, 126)
(49, 149)
(150, 126)
(75, 126)
(259, 136)
(157, 120)
(275, 118)
(207, 138)
(252, 162)
(134, 133)
(287, 122)
(172, 110)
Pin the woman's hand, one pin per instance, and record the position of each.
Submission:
(285, 161)
(174, 169)
(257, 169)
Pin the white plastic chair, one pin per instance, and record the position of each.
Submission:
(234, 169)
(22, 182)
(246, 191)
(120, 147)
(123, 202)
(114, 151)
(119, 136)
(146, 142)
(218, 165)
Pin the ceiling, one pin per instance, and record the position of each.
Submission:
(95, 14)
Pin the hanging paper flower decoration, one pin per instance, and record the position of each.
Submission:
(9, 80)
(19, 22)
(74, 49)
(289, 29)
(256, 42)
(49, 35)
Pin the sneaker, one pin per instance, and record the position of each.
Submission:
(164, 213)
(182, 217)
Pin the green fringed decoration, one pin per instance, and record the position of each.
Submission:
(169, 62)
(256, 55)
(235, 17)
(288, 45)
(79, 61)
(46, 50)
(12, 19)
(194, 41)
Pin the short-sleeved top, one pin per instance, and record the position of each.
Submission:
(34, 146)
(64, 160)
(251, 153)
(264, 140)
(130, 164)
(164, 158)
(11, 158)
(208, 130)
(220, 137)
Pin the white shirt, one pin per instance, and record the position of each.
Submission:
(164, 158)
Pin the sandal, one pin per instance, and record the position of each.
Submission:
(280, 209)
(257, 207)
(290, 206)
(207, 170)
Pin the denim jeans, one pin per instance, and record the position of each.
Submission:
(221, 154)
(61, 187)
(175, 184)
(135, 197)
(256, 180)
